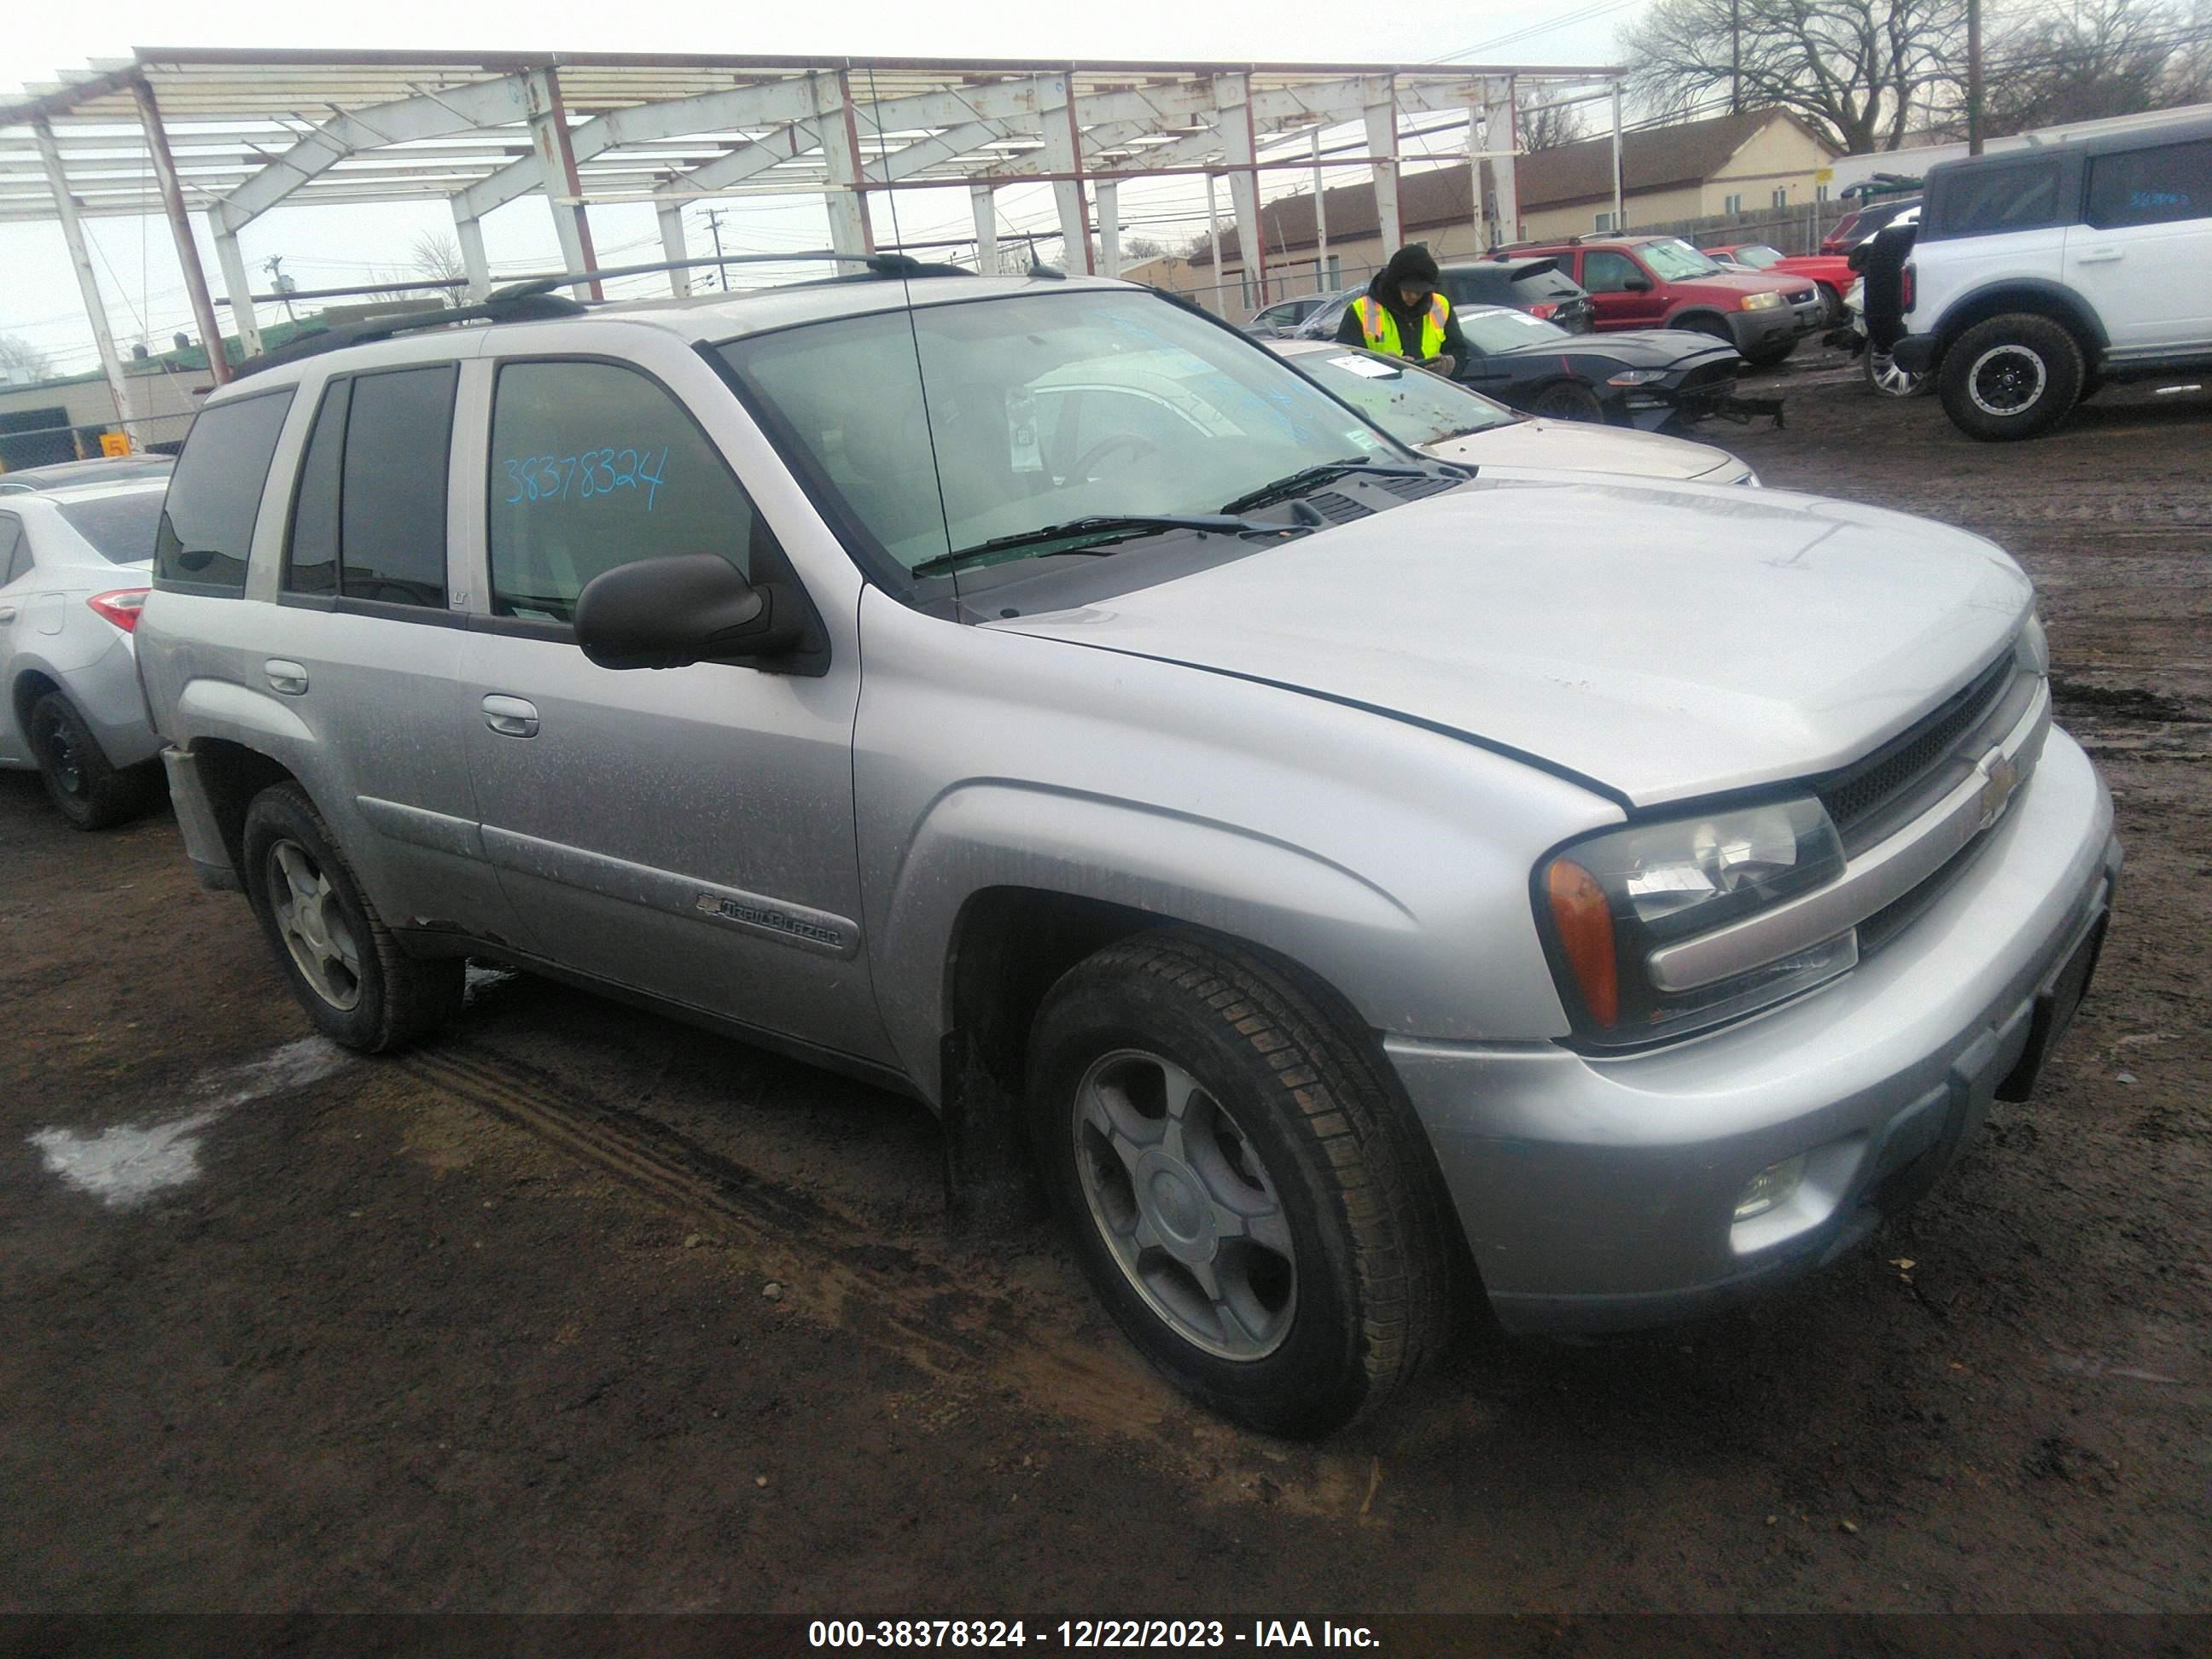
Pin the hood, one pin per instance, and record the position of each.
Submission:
(1639, 348)
(1662, 640)
(1578, 446)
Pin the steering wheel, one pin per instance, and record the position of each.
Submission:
(1138, 446)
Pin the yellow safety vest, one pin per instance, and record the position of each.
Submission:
(1380, 329)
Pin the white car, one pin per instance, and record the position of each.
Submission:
(1443, 418)
(2040, 274)
(74, 566)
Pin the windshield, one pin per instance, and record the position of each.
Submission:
(1412, 406)
(1758, 256)
(1504, 331)
(1040, 408)
(121, 528)
(1673, 260)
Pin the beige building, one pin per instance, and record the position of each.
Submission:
(1760, 161)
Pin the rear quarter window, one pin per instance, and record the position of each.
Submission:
(206, 529)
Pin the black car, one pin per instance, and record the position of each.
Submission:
(1536, 286)
(1642, 377)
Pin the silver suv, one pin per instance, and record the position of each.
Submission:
(1326, 871)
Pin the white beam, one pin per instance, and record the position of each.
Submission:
(785, 145)
(456, 109)
(88, 282)
(556, 176)
(833, 126)
(233, 260)
(1232, 102)
(983, 198)
(469, 230)
(1063, 154)
(1380, 109)
(673, 248)
(1109, 194)
(947, 146)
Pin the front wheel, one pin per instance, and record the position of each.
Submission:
(1245, 1193)
(349, 972)
(1568, 400)
(2011, 377)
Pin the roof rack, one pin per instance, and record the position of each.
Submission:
(535, 300)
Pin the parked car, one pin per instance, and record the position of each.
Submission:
(1332, 867)
(1536, 286)
(62, 475)
(2039, 275)
(1644, 379)
(1662, 281)
(74, 566)
(1283, 318)
(1855, 227)
(1833, 271)
(1444, 419)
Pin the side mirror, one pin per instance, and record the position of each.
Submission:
(671, 612)
(1637, 284)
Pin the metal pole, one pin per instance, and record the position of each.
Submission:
(1320, 221)
(1973, 77)
(722, 270)
(180, 229)
(556, 160)
(96, 309)
(1213, 243)
(1735, 60)
(1107, 197)
(670, 214)
(1619, 207)
(982, 199)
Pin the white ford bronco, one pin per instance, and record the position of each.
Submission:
(1331, 874)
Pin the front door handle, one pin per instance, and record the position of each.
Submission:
(7, 613)
(287, 679)
(2103, 256)
(511, 717)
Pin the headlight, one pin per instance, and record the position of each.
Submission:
(1606, 903)
(1636, 377)
(1750, 479)
(1766, 299)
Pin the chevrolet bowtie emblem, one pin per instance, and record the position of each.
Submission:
(2003, 774)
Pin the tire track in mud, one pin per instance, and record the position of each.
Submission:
(973, 1339)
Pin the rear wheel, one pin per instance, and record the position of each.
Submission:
(86, 790)
(2011, 377)
(1245, 1193)
(1887, 379)
(347, 969)
(1567, 400)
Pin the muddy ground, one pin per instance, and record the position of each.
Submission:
(488, 1327)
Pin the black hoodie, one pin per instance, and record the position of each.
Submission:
(1410, 263)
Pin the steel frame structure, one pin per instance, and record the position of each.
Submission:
(232, 134)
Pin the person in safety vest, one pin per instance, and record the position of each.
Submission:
(1403, 315)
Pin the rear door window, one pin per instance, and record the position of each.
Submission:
(391, 486)
(2151, 187)
(215, 496)
(14, 552)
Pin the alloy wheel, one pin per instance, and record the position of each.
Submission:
(1180, 1198)
(312, 925)
(2006, 379)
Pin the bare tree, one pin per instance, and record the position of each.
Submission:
(1140, 248)
(1854, 70)
(438, 257)
(2099, 58)
(21, 362)
(1539, 125)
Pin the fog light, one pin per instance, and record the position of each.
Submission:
(1771, 1187)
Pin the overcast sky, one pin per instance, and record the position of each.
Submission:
(335, 245)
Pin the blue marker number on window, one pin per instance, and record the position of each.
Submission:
(580, 477)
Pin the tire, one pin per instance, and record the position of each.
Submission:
(1832, 309)
(1567, 400)
(358, 987)
(1331, 1286)
(86, 790)
(2012, 377)
(1885, 380)
(1769, 357)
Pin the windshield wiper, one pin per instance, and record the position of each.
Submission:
(1094, 530)
(1291, 483)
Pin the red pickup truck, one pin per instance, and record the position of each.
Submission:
(1662, 281)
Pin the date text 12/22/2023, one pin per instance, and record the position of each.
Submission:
(1073, 1635)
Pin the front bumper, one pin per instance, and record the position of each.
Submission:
(1599, 1194)
(1762, 331)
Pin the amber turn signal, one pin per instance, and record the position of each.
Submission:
(1585, 926)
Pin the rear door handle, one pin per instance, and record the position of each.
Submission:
(511, 717)
(287, 679)
(2103, 256)
(7, 613)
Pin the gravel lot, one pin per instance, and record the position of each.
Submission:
(580, 1309)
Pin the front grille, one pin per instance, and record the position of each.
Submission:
(1872, 797)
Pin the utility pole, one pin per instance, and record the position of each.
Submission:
(1973, 77)
(715, 225)
(274, 264)
(1736, 57)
